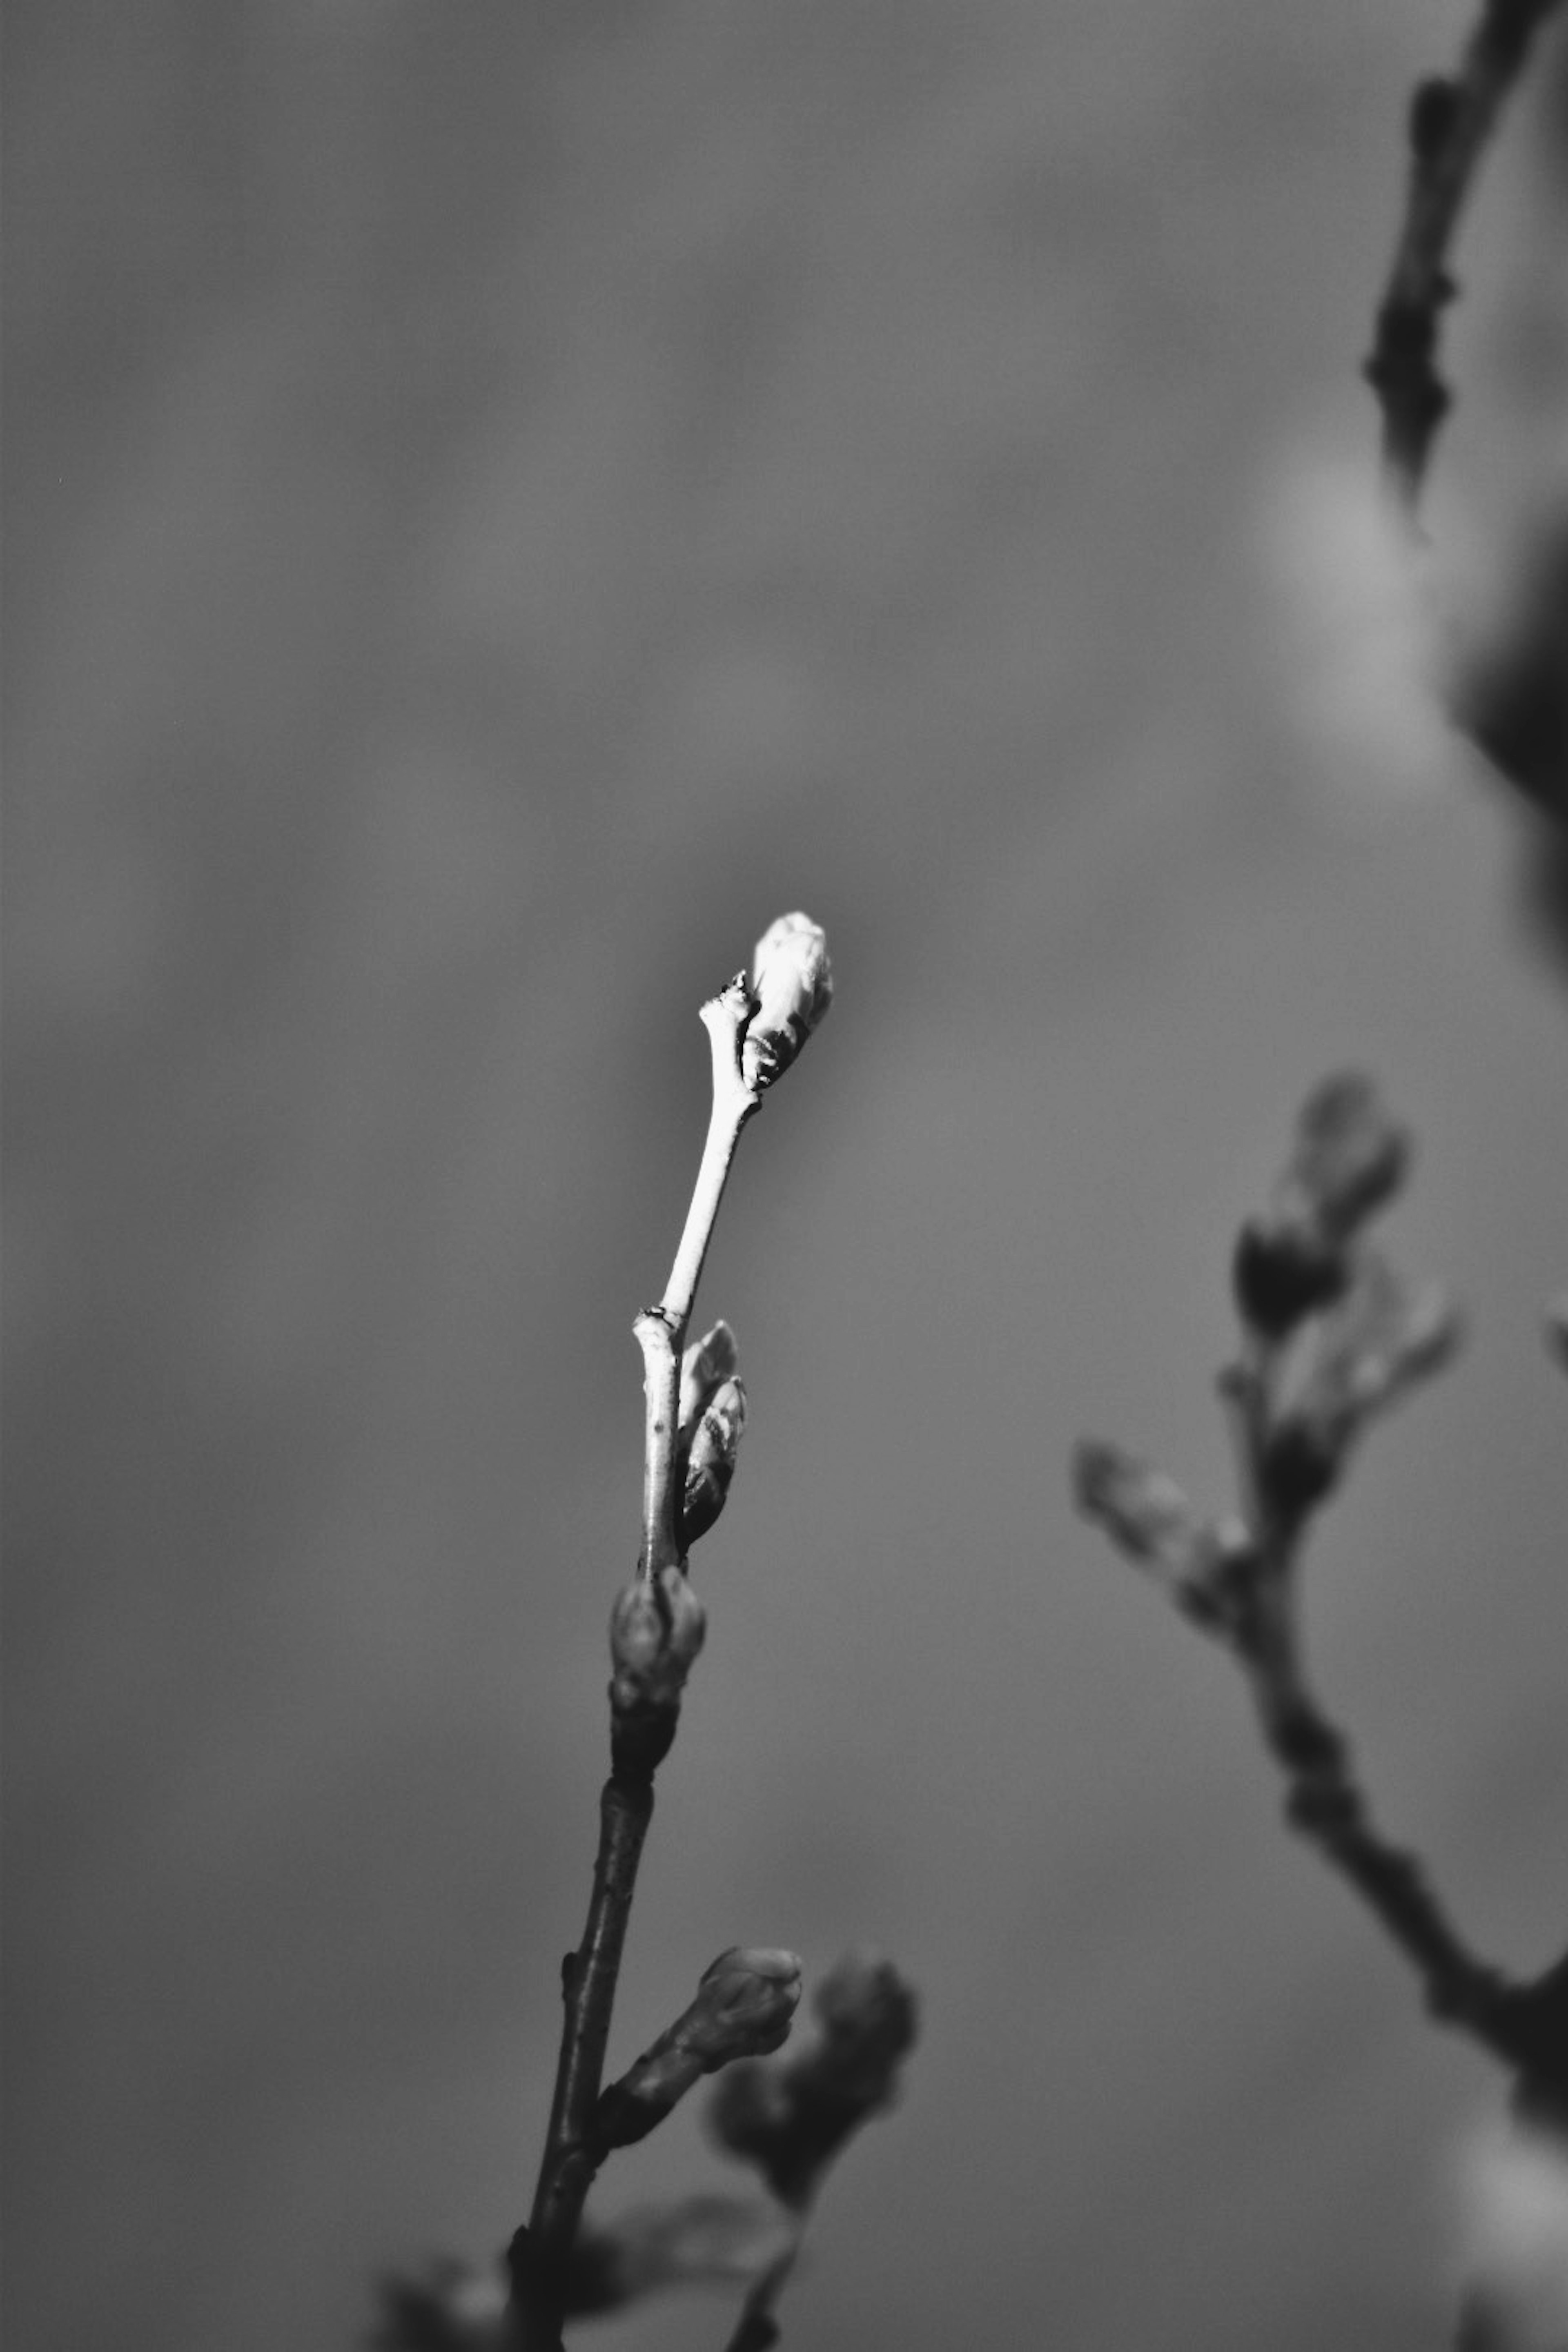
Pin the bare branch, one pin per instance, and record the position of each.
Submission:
(1451, 120)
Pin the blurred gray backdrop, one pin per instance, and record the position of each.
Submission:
(500, 502)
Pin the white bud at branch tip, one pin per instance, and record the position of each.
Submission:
(792, 981)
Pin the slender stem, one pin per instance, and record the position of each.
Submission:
(571, 2159)
(1451, 120)
(661, 1330)
(1325, 1803)
(588, 1990)
(726, 1018)
(661, 1347)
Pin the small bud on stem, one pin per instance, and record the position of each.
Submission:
(656, 1628)
(711, 1461)
(744, 2005)
(791, 2118)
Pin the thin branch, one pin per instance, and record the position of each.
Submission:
(726, 1017)
(661, 1330)
(641, 1730)
(588, 1976)
(1325, 1803)
(1332, 1337)
(1451, 120)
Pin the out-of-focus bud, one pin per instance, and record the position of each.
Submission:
(711, 1461)
(791, 2118)
(1302, 1459)
(868, 2015)
(1380, 1343)
(1350, 1158)
(1514, 2228)
(656, 1631)
(745, 2001)
(707, 1364)
(452, 2308)
(1149, 1518)
(792, 981)
(1281, 1274)
(1383, 1340)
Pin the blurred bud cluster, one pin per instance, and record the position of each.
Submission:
(1332, 1335)
(1306, 1270)
(789, 2118)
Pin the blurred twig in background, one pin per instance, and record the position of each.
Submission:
(1451, 118)
(1331, 1337)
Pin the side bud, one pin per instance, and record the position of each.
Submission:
(1281, 1274)
(1351, 1157)
(656, 1631)
(710, 1460)
(1383, 1340)
(744, 2005)
(707, 1364)
(792, 981)
(1151, 1521)
(790, 2119)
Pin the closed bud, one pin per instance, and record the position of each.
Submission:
(1377, 1345)
(791, 2118)
(1147, 1516)
(792, 982)
(1302, 1457)
(450, 2308)
(745, 2001)
(1350, 1157)
(868, 2015)
(710, 1460)
(656, 1631)
(1283, 1273)
(707, 1364)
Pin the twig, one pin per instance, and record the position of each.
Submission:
(661, 1330)
(1451, 120)
(640, 1736)
(1303, 1269)
(1325, 1803)
(792, 2119)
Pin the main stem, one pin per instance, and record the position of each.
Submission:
(588, 1979)
(589, 1974)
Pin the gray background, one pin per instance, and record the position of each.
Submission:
(502, 501)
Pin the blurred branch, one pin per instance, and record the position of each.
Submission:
(1308, 1287)
(1451, 118)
